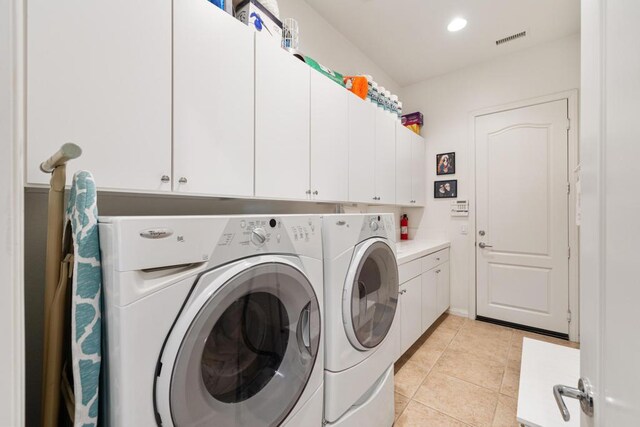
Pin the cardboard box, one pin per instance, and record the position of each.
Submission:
(413, 119)
(253, 14)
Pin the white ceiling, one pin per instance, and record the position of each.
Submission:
(409, 38)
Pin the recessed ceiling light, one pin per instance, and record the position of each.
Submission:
(457, 24)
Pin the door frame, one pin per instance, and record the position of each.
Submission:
(574, 278)
(12, 129)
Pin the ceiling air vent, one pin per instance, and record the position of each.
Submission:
(511, 38)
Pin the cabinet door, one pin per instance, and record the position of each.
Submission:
(404, 165)
(282, 122)
(410, 318)
(429, 299)
(329, 140)
(99, 75)
(418, 175)
(385, 157)
(442, 273)
(362, 157)
(213, 74)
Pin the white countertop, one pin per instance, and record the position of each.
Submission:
(543, 366)
(408, 250)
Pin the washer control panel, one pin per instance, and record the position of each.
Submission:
(284, 234)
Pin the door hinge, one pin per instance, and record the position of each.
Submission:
(569, 252)
(568, 124)
(568, 188)
(569, 316)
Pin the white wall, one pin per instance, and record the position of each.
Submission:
(447, 102)
(324, 43)
(11, 302)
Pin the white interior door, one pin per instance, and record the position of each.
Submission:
(609, 150)
(522, 216)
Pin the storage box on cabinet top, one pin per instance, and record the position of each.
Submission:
(255, 15)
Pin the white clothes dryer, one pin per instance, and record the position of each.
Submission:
(361, 297)
(213, 320)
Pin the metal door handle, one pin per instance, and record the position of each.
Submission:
(484, 245)
(582, 393)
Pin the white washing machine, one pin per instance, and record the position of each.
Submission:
(361, 339)
(213, 320)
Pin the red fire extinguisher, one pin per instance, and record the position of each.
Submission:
(404, 227)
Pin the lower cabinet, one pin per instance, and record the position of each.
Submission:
(424, 295)
(410, 308)
(444, 296)
(430, 307)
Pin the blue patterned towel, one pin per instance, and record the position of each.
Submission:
(82, 214)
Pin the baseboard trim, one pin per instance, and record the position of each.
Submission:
(524, 328)
(458, 312)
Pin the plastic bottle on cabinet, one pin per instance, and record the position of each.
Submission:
(375, 94)
(382, 93)
(370, 87)
(394, 105)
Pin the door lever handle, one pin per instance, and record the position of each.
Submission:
(582, 393)
(484, 245)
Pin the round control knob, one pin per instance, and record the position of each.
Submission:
(258, 236)
(374, 226)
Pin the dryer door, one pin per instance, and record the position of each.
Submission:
(248, 353)
(370, 296)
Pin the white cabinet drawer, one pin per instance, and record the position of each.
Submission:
(409, 270)
(435, 259)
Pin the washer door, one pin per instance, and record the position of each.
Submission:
(371, 294)
(249, 352)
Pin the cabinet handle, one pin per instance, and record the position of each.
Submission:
(438, 271)
(308, 192)
(402, 292)
(165, 179)
(437, 259)
(315, 192)
(182, 180)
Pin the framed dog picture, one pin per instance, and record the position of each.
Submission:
(446, 163)
(445, 189)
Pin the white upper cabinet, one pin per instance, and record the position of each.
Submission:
(99, 75)
(404, 165)
(385, 153)
(329, 139)
(410, 164)
(362, 131)
(213, 83)
(282, 122)
(418, 173)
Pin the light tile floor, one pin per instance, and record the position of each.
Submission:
(461, 372)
